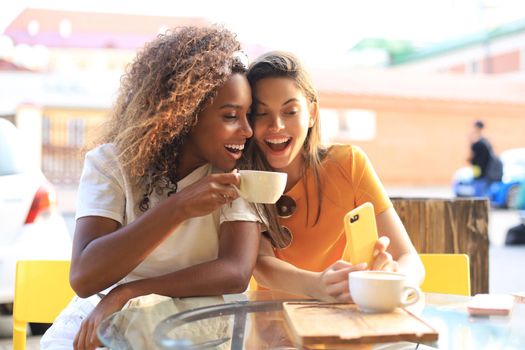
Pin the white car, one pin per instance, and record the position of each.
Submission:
(31, 227)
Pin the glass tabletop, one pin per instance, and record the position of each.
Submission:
(255, 320)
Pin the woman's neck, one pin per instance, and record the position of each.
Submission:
(186, 165)
(295, 171)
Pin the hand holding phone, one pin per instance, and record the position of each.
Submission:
(361, 234)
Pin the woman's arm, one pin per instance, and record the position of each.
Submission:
(400, 249)
(274, 273)
(229, 273)
(393, 252)
(104, 253)
(330, 284)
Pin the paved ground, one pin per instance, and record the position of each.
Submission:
(504, 262)
(33, 343)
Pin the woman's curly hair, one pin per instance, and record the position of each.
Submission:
(161, 95)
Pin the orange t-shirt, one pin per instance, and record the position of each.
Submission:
(347, 181)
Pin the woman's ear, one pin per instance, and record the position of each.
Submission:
(314, 114)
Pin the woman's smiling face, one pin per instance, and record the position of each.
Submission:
(222, 129)
(282, 117)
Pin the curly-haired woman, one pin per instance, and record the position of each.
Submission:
(151, 213)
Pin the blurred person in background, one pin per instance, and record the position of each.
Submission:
(486, 166)
(151, 214)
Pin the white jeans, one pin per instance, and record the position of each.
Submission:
(61, 334)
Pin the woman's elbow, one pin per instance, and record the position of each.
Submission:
(239, 279)
(80, 285)
(243, 282)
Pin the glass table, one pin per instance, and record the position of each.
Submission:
(255, 320)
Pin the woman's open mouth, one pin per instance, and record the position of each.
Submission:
(278, 144)
(235, 149)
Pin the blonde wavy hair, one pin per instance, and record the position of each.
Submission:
(161, 95)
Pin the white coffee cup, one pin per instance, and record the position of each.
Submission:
(261, 186)
(381, 291)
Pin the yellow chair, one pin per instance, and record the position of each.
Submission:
(42, 291)
(446, 273)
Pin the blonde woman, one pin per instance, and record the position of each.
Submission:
(302, 251)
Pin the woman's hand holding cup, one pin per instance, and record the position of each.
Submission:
(207, 194)
(333, 281)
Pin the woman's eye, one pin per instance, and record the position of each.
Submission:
(230, 117)
(292, 112)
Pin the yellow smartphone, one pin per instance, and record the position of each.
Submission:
(361, 234)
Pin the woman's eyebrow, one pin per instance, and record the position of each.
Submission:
(230, 105)
(293, 99)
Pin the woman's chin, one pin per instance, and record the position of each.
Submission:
(225, 166)
(278, 164)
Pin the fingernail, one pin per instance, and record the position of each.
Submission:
(375, 252)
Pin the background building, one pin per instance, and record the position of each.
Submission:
(412, 112)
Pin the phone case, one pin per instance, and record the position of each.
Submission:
(361, 234)
(490, 304)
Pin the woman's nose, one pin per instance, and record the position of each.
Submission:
(246, 129)
(276, 123)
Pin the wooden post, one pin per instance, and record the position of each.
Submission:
(458, 225)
